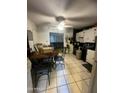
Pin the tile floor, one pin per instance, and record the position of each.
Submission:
(73, 78)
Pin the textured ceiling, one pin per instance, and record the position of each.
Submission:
(77, 13)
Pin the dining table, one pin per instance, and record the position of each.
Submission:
(36, 55)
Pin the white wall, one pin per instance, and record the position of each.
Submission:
(32, 27)
(43, 33)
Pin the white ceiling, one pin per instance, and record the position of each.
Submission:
(77, 13)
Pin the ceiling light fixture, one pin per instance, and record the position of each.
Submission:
(61, 24)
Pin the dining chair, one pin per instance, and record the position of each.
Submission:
(48, 62)
(36, 48)
(38, 70)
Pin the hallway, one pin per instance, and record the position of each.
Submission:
(73, 78)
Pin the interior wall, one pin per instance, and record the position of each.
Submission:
(33, 28)
(43, 34)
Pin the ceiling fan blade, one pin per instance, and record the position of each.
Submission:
(67, 26)
(38, 18)
(86, 18)
(44, 13)
(41, 7)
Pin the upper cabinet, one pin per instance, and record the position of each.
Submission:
(95, 31)
(86, 36)
(81, 37)
(77, 37)
(89, 35)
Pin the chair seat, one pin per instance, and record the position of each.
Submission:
(41, 70)
(43, 73)
(37, 72)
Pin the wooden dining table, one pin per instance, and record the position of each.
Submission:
(43, 55)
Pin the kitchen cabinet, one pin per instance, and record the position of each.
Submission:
(89, 36)
(78, 36)
(81, 37)
(87, 39)
(86, 36)
(91, 54)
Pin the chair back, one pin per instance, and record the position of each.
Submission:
(36, 48)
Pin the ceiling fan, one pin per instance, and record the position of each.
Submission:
(61, 23)
(75, 14)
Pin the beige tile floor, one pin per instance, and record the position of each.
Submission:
(73, 78)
